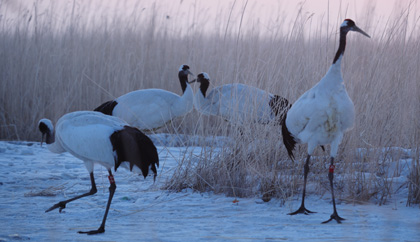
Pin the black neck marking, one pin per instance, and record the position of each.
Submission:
(50, 137)
(341, 47)
(183, 79)
(204, 84)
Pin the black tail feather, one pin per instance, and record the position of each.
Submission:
(131, 145)
(288, 140)
(106, 107)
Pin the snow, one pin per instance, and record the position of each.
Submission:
(33, 179)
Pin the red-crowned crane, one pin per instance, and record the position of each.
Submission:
(321, 116)
(238, 102)
(150, 109)
(97, 138)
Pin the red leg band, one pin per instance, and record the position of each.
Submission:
(332, 167)
(111, 179)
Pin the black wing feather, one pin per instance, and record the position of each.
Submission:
(288, 139)
(107, 107)
(131, 145)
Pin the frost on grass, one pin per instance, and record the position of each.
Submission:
(414, 181)
(48, 192)
(255, 163)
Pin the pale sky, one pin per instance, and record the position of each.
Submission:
(219, 15)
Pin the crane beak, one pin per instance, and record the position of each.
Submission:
(357, 29)
(42, 139)
(190, 73)
(192, 81)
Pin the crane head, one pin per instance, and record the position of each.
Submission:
(46, 128)
(203, 77)
(349, 25)
(185, 69)
(204, 80)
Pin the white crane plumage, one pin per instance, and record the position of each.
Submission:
(321, 116)
(150, 109)
(97, 138)
(237, 103)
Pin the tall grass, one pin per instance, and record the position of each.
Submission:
(52, 65)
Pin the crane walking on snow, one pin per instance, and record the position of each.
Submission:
(321, 116)
(97, 138)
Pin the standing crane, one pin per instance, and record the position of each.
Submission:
(97, 138)
(150, 109)
(321, 116)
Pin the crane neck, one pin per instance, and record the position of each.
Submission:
(184, 104)
(183, 79)
(50, 137)
(204, 86)
(53, 145)
(47, 129)
(201, 103)
(341, 47)
(334, 76)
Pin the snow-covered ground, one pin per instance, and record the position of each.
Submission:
(32, 179)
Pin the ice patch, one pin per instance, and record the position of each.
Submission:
(27, 152)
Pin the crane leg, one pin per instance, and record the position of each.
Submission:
(302, 208)
(62, 205)
(334, 215)
(112, 189)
